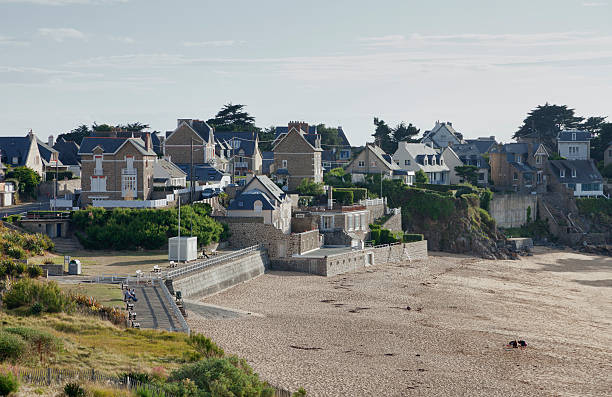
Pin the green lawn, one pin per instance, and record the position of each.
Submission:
(106, 294)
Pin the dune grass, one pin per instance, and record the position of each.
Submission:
(89, 342)
(106, 294)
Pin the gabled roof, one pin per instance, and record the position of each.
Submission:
(246, 201)
(46, 152)
(581, 136)
(201, 172)
(273, 189)
(415, 149)
(18, 147)
(383, 157)
(246, 140)
(586, 171)
(68, 151)
(308, 138)
(200, 127)
(431, 134)
(172, 169)
(312, 129)
(111, 145)
(516, 148)
(482, 145)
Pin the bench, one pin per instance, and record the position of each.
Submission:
(135, 325)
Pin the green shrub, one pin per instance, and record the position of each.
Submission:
(26, 292)
(228, 376)
(412, 237)
(35, 271)
(74, 390)
(300, 393)
(124, 228)
(359, 193)
(486, 196)
(344, 197)
(12, 347)
(60, 175)
(375, 236)
(16, 252)
(144, 391)
(9, 383)
(43, 343)
(205, 346)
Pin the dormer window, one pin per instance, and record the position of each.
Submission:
(573, 136)
(518, 158)
(562, 173)
(425, 161)
(573, 172)
(441, 161)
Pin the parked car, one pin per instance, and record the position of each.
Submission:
(208, 193)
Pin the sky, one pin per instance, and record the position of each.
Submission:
(480, 64)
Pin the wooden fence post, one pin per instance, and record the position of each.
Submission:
(49, 376)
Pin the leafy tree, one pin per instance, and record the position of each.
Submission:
(329, 136)
(383, 137)
(101, 127)
(308, 187)
(135, 127)
(421, 177)
(545, 122)
(468, 173)
(338, 177)
(28, 180)
(403, 132)
(600, 142)
(266, 136)
(77, 134)
(233, 118)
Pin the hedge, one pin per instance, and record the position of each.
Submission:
(359, 193)
(343, 197)
(60, 175)
(412, 237)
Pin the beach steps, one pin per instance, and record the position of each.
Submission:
(65, 245)
(152, 309)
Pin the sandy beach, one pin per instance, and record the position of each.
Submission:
(428, 328)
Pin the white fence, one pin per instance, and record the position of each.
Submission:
(209, 262)
(371, 202)
(133, 203)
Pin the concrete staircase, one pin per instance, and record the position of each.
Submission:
(152, 309)
(65, 245)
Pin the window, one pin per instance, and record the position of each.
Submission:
(518, 158)
(357, 226)
(481, 176)
(327, 222)
(98, 167)
(515, 176)
(15, 160)
(350, 222)
(571, 186)
(441, 161)
(538, 159)
(98, 183)
(361, 164)
(373, 164)
(539, 177)
(363, 221)
(345, 154)
(573, 172)
(284, 164)
(406, 162)
(562, 173)
(425, 160)
(128, 185)
(240, 203)
(257, 206)
(326, 164)
(235, 143)
(130, 162)
(573, 136)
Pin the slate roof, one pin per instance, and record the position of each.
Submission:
(482, 145)
(199, 126)
(469, 154)
(431, 134)
(312, 129)
(201, 172)
(245, 138)
(172, 169)
(14, 147)
(45, 152)
(581, 136)
(272, 187)
(68, 152)
(384, 157)
(524, 168)
(586, 171)
(246, 201)
(419, 151)
(111, 145)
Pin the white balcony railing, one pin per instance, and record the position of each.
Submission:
(128, 171)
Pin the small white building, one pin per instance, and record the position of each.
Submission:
(581, 176)
(574, 144)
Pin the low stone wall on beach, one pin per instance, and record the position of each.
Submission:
(353, 260)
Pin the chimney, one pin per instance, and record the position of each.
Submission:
(147, 140)
(50, 141)
(31, 134)
(299, 125)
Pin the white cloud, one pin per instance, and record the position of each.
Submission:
(123, 39)
(6, 40)
(594, 4)
(61, 34)
(214, 43)
(61, 2)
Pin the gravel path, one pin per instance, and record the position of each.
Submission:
(429, 328)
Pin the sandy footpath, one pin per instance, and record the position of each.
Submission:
(353, 335)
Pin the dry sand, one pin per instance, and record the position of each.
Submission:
(351, 335)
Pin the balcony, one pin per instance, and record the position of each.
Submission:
(241, 164)
(128, 171)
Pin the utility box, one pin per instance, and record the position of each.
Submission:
(74, 267)
(182, 249)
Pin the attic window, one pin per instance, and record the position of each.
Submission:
(573, 136)
(562, 173)
(573, 172)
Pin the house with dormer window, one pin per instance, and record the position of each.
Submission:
(413, 157)
(21, 151)
(241, 150)
(520, 167)
(574, 144)
(442, 135)
(115, 168)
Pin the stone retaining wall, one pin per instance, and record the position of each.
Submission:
(510, 210)
(394, 223)
(222, 276)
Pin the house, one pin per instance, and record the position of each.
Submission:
(468, 154)
(519, 167)
(191, 141)
(608, 155)
(581, 176)
(50, 158)
(69, 155)
(7, 194)
(116, 168)
(483, 144)
(262, 198)
(243, 155)
(342, 225)
(205, 174)
(21, 152)
(167, 174)
(574, 144)
(267, 160)
(442, 135)
(418, 156)
(451, 160)
(373, 160)
(297, 155)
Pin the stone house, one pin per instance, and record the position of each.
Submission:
(574, 144)
(519, 167)
(342, 225)
(419, 156)
(241, 150)
(483, 144)
(442, 135)
(373, 160)
(191, 140)
(608, 155)
(116, 169)
(579, 176)
(21, 152)
(467, 154)
(167, 174)
(297, 155)
(262, 198)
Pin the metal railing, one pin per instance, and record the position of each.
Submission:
(209, 262)
(174, 307)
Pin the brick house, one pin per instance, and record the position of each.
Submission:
(297, 155)
(241, 149)
(262, 198)
(114, 168)
(519, 166)
(190, 134)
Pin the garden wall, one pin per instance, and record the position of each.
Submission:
(510, 210)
